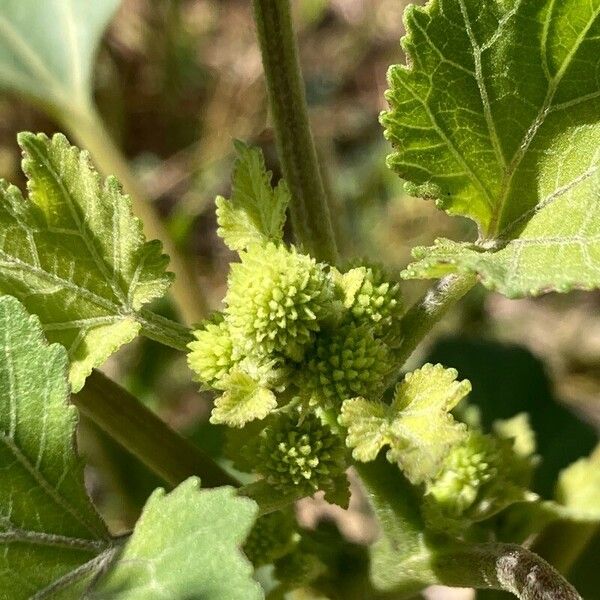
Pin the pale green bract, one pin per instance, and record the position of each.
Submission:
(496, 117)
(255, 213)
(244, 400)
(186, 545)
(417, 426)
(48, 527)
(47, 49)
(75, 255)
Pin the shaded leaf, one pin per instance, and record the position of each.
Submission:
(47, 49)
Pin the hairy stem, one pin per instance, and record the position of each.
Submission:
(163, 330)
(507, 567)
(425, 313)
(124, 418)
(90, 133)
(309, 209)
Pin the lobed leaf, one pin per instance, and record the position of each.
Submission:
(496, 117)
(417, 426)
(75, 255)
(255, 213)
(186, 545)
(244, 400)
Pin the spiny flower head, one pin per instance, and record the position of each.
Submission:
(301, 454)
(479, 477)
(272, 536)
(298, 569)
(211, 354)
(277, 300)
(345, 363)
(377, 301)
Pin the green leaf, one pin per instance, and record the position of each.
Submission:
(186, 545)
(578, 487)
(497, 119)
(417, 426)
(244, 400)
(75, 255)
(47, 49)
(50, 534)
(255, 213)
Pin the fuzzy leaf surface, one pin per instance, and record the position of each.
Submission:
(49, 529)
(496, 117)
(244, 400)
(186, 545)
(47, 49)
(255, 213)
(417, 426)
(75, 255)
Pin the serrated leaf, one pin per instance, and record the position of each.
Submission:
(417, 426)
(244, 400)
(186, 545)
(50, 534)
(47, 49)
(497, 118)
(75, 255)
(255, 213)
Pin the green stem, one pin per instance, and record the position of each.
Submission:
(89, 131)
(163, 330)
(309, 210)
(507, 567)
(124, 418)
(425, 313)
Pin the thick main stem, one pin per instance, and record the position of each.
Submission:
(425, 313)
(90, 133)
(309, 208)
(124, 418)
(505, 567)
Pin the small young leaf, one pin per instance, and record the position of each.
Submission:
(75, 255)
(244, 400)
(417, 426)
(186, 545)
(255, 213)
(47, 49)
(49, 530)
(578, 487)
(497, 119)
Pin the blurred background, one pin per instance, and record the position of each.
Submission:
(176, 81)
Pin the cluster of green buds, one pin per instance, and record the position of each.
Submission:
(479, 478)
(291, 328)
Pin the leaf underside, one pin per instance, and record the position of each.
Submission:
(497, 119)
(47, 48)
(75, 255)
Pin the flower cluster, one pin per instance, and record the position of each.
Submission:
(302, 453)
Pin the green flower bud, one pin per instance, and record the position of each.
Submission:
(211, 355)
(346, 363)
(479, 478)
(305, 455)
(298, 569)
(272, 536)
(377, 302)
(276, 301)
